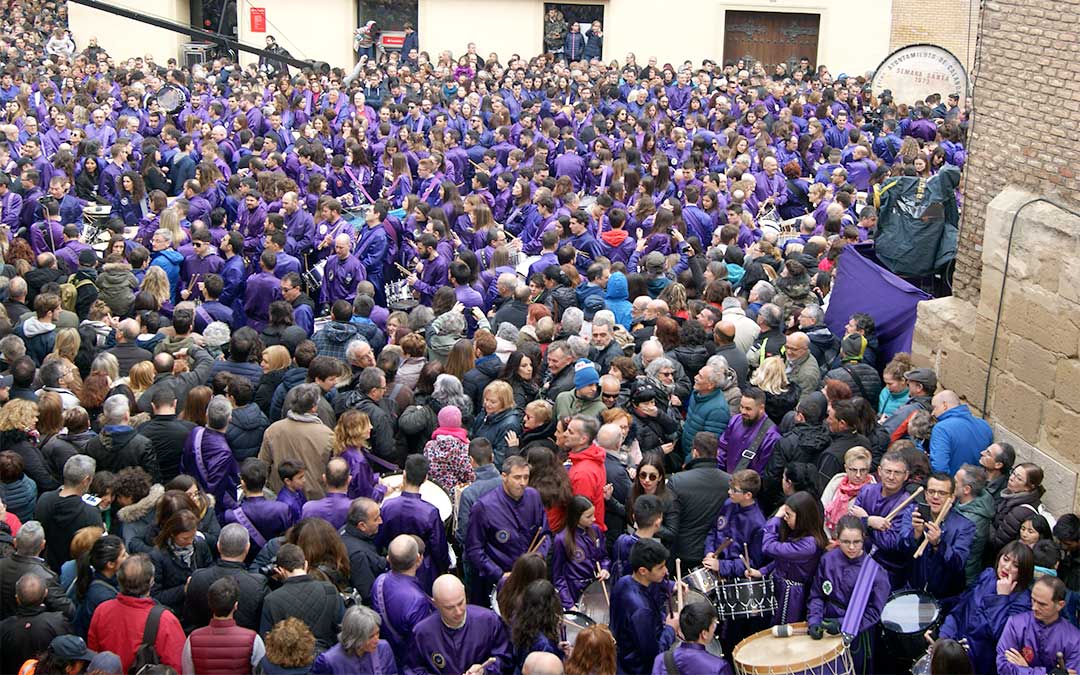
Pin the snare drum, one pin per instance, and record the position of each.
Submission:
(525, 263)
(904, 619)
(922, 666)
(313, 278)
(745, 599)
(702, 580)
(764, 654)
(690, 597)
(594, 603)
(430, 492)
(572, 624)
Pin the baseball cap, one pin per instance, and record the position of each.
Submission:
(654, 262)
(924, 376)
(106, 662)
(71, 647)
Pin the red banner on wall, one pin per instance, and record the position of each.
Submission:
(258, 19)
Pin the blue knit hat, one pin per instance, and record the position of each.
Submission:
(585, 374)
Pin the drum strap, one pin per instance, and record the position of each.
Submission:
(669, 661)
(751, 452)
(243, 519)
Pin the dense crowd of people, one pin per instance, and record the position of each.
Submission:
(440, 365)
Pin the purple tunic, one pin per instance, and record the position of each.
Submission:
(738, 437)
(886, 546)
(46, 235)
(364, 481)
(501, 529)
(262, 289)
(340, 279)
(402, 604)
(980, 615)
(1042, 642)
(270, 518)
(620, 555)
(70, 251)
(572, 575)
(336, 661)
(209, 460)
(333, 508)
(793, 565)
(251, 224)
(940, 569)
(692, 659)
(409, 514)
(294, 500)
(830, 594)
(637, 622)
(439, 649)
(741, 524)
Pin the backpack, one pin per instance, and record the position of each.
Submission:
(146, 654)
(69, 292)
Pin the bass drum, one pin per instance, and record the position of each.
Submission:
(692, 596)
(171, 99)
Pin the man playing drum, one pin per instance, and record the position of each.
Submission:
(877, 500)
(940, 569)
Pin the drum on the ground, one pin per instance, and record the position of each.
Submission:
(704, 581)
(745, 599)
(764, 654)
(904, 620)
(572, 624)
(594, 602)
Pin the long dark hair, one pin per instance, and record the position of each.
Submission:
(510, 370)
(105, 550)
(181, 521)
(540, 614)
(548, 477)
(574, 510)
(808, 520)
(655, 460)
(527, 569)
(949, 658)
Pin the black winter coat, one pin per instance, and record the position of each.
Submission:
(119, 449)
(1012, 509)
(28, 632)
(245, 432)
(831, 461)
(804, 443)
(170, 575)
(474, 382)
(692, 358)
(697, 492)
(34, 464)
(252, 591)
(778, 405)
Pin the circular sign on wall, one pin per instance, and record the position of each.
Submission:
(914, 72)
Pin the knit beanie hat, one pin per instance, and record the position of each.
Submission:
(585, 374)
(450, 417)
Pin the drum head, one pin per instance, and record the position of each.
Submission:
(574, 623)
(430, 492)
(495, 601)
(922, 666)
(594, 603)
(909, 612)
(701, 579)
(763, 653)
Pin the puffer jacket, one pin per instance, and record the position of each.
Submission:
(823, 345)
(136, 520)
(494, 428)
(692, 358)
(560, 299)
(57, 450)
(245, 432)
(20, 496)
(862, 379)
(705, 413)
(617, 299)
(119, 447)
(332, 339)
(40, 338)
(116, 287)
(485, 372)
(804, 443)
(292, 377)
(1011, 510)
(34, 465)
(652, 432)
(778, 405)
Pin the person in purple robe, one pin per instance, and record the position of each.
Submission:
(397, 596)
(299, 225)
(292, 474)
(578, 555)
(48, 234)
(748, 440)
(372, 246)
(460, 637)
(793, 541)
(208, 458)
(1038, 641)
(848, 581)
(351, 438)
(588, 249)
(334, 507)
(262, 290)
(940, 569)
(697, 622)
(198, 266)
(770, 184)
(739, 521)
(878, 500)
(360, 649)
(276, 243)
(263, 518)
(639, 619)
(250, 222)
(1000, 592)
(503, 524)
(10, 206)
(72, 247)
(342, 273)
(433, 274)
(410, 514)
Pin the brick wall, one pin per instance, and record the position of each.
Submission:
(1026, 130)
(940, 22)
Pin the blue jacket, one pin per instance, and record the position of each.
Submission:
(617, 298)
(958, 438)
(169, 260)
(245, 432)
(705, 413)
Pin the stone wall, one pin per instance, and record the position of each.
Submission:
(952, 24)
(1034, 387)
(1026, 130)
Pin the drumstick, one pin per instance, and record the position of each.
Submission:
(722, 547)
(535, 535)
(678, 581)
(746, 554)
(603, 587)
(194, 280)
(937, 521)
(403, 269)
(898, 509)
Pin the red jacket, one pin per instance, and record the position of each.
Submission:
(117, 626)
(588, 478)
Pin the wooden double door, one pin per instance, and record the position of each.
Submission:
(770, 37)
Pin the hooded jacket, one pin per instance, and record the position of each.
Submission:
(333, 338)
(136, 520)
(86, 293)
(116, 287)
(494, 428)
(40, 338)
(245, 432)
(588, 477)
(980, 511)
(794, 292)
(804, 443)
(823, 345)
(169, 260)
(617, 245)
(860, 377)
(120, 446)
(173, 344)
(485, 371)
(617, 297)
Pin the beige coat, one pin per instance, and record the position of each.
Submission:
(304, 438)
